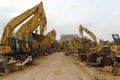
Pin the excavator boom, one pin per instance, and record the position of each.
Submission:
(81, 29)
(38, 18)
(15, 22)
(43, 23)
(22, 29)
(49, 38)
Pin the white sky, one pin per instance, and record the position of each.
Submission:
(102, 17)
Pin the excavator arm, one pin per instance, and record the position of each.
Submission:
(49, 38)
(38, 18)
(22, 29)
(21, 36)
(15, 22)
(43, 23)
(31, 24)
(81, 29)
(51, 35)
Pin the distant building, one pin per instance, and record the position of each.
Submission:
(65, 39)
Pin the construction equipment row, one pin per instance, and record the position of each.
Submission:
(94, 53)
(20, 48)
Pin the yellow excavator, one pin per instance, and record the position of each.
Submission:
(42, 21)
(5, 47)
(99, 54)
(86, 43)
(81, 29)
(73, 46)
(20, 37)
(48, 40)
(93, 49)
(39, 19)
(8, 49)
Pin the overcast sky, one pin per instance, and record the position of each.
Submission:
(102, 17)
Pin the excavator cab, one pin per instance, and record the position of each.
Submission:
(13, 42)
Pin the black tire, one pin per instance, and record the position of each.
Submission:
(107, 61)
(93, 57)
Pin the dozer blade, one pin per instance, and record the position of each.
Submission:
(8, 68)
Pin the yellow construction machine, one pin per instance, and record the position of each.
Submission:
(48, 40)
(11, 45)
(107, 54)
(86, 43)
(73, 46)
(6, 45)
(100, 54)
(92, 35)
(95, 51)
(39, 19)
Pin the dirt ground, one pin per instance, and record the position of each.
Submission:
(57, 66)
